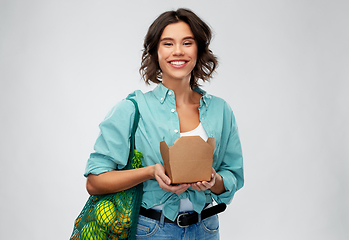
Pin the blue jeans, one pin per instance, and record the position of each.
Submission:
(207, 229)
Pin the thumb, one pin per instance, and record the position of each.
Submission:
(162, 175)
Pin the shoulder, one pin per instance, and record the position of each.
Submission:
(140, 96)
(218, 102)
(124, 108)
(212, 100)
(221, 109)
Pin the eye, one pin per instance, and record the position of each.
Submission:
(188, 43)
(168, 44)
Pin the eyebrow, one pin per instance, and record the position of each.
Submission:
(171, 39)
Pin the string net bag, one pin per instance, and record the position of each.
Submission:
(112, 216)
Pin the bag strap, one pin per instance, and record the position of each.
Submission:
(133, 133)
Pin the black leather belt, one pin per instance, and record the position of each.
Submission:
(184, 219)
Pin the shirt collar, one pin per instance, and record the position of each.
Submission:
(205, 96)
(161, 92)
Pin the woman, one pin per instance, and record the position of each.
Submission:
(176, 56)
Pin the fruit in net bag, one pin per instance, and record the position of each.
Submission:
(92, 231)
(121, 224)
(105, 213)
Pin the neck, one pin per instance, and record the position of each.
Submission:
(183, 92)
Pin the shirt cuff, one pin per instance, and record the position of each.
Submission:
(230, 184)
(99, 164)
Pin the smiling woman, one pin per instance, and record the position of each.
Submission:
(198, 31)
(176, 57)
(177, 53)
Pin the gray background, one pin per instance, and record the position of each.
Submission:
(283, 69)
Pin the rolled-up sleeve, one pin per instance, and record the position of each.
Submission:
(231, 168)
(112, 146)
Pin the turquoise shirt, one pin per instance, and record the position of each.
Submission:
(159, 121)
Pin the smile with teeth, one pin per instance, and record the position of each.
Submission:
(178, 63)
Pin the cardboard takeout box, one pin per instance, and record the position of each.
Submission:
(189, 159)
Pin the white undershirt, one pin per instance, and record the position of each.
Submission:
(185, 204)
(198, 131)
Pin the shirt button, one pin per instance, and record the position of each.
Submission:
(176, 131)
(172, 110)
(169, 93)
(162, 99)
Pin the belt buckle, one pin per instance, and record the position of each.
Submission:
(178, 220)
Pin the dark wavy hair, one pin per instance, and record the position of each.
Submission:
(206, 60)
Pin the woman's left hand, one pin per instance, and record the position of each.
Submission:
(204, 185)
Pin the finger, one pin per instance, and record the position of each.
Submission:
(178, 189)
(165, 179)
(182, 188)
(202, 186)
(198, 186)
(160, 174)
(207, 185)
(162, 183)
(213, 174)
(195, 187)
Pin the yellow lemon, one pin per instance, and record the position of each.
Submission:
(105, 212)
(91, 231)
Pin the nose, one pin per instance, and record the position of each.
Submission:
(178, 51)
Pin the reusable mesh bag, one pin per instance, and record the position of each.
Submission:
(113, 216)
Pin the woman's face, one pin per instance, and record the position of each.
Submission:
(177, 52)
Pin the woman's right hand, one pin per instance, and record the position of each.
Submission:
(165, 182)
